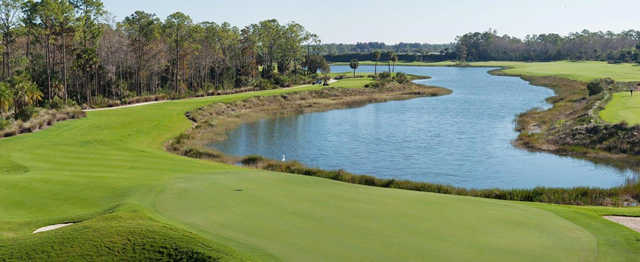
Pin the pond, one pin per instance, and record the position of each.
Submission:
(463, 139)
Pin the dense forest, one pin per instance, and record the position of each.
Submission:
(57, 53)
(370, 47)
(621, 47)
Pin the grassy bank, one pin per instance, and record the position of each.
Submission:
(79, 170)
(618, 196)
(622, 108)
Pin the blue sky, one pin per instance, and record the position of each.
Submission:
(392, 21)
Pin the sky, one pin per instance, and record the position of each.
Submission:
(393, 21)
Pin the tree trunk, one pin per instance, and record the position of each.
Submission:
(48, 57)
(64, 67)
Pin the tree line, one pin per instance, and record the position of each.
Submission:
(65, 52)
(370, 47)
(623, 47)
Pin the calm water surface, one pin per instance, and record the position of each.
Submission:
(463, 139)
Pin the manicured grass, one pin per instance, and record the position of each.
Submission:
(581, 71)
(85, 170)
(622, 107)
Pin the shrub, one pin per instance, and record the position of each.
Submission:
(282, 80)
(252, 160)
(4, 123)
(595, 87)
(384, 75)
(26, 113)
(401, 78)
(264, 84)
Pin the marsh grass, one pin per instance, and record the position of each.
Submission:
(42, 119)
(619, 196)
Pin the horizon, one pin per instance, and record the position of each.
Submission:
(337, 25)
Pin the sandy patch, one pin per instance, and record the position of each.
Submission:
(51, 227)
(630, 222)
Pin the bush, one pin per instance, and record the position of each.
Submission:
(26, 113)
(282, 80)
(242, 81)
(595, 87)
(401, 78)
(252, 160)
(264, 84)
(384, 75)
(4, 123)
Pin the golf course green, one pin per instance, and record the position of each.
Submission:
(131, 200)
(622, 107)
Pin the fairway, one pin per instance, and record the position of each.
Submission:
(83, 169)
(581, 71)
(622, 107)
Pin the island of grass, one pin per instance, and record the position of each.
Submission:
(131, 200)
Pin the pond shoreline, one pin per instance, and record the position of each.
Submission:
(193, 144)
(212, 122)
(550, 130)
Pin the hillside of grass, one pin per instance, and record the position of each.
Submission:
(177, 207)
(622, 108)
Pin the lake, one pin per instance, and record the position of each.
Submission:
(463, 139)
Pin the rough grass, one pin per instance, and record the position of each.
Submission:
(622, 108)
(80, 168)
(126, 234)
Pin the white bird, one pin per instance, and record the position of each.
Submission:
(284, 158)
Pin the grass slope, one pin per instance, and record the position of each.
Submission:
(581, 71)
(622, 107)
(79, 170)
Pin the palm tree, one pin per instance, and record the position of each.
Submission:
(390, 55)
(25, 92)
(354, 65)
(376, 57)
(394, 59)
(6, 98)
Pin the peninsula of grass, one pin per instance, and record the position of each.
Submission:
(131, 200)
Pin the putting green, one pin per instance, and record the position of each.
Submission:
(80, 170)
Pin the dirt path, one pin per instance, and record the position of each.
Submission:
(630, 222)
(125, 106)
(163, 101)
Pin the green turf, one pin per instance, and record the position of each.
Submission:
(581, 71)
(622, 107)
(80, 170)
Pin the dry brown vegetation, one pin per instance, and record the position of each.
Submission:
(42, 120)
(568, 129)
(211, 123)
